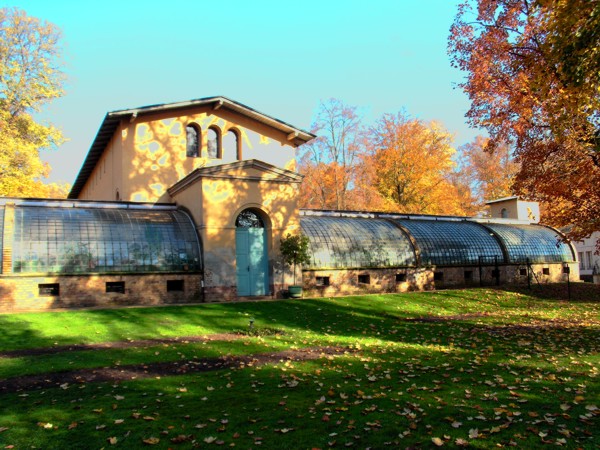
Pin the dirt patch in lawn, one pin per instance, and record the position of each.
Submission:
(118, 345)
(140, 371)
(428, 319)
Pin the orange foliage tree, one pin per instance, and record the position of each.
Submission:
(399, 165)
(533, 78)
(490, 175)
(412, 166)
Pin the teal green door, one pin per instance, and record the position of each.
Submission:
(251, 261)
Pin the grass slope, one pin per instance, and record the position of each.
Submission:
(476, 368)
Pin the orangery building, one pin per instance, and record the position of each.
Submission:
(187, 202)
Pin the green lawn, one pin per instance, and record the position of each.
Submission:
(478, 368)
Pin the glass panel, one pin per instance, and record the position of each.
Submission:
(192, 141)
(230, 146)
(80, 240)
(535, 243)
(249, 219)
(346, 242)
(213, 143)
(452, 243)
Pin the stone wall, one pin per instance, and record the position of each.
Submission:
(324, 283)
(23, 293)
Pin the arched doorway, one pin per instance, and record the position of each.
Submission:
(251, 254)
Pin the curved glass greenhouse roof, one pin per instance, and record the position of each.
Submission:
(346, 242)
(456, 243)
(533, 243)
(379, 241)
(59, 239)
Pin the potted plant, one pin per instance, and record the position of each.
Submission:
(294, 250)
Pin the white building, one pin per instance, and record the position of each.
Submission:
(589, 261)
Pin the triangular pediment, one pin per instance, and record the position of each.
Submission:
(248, 170)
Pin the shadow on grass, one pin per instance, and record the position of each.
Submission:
(375, 316)
(579, 291)
(316, 401)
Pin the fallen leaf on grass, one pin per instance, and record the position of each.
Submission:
(437, 441)
(112, 440)
(151, 441)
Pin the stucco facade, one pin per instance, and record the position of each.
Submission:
(143, 155)
(146, 152)
(515, 208)
(217, 195)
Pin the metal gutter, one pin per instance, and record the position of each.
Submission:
(59, 203)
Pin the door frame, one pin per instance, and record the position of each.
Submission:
(264, 217)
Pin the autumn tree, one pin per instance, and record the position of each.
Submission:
(413, 166)
(533, 78)
(30, 77)
(490, 175)
(329, 162)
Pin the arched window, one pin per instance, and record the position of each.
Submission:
(192, 137)
(249, 219)
(504, 213)
(231, 146)
(214, 143)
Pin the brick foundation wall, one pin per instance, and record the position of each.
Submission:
(346, 282)
(22, 293)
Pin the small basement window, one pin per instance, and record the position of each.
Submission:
(468, 275)
(523, 272)
(496, 273)
(49, 289)
(438, 276)
(546, 271)
(400, 277)
(364, 279)
(115, 286)
(322, 281)
(174, 285)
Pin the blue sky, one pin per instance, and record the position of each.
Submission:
(279, 57)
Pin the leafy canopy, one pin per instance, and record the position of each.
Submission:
(533, 78)
(400, 164)
(294, 250)
(30, 77)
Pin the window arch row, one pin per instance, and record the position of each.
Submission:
(219, 145)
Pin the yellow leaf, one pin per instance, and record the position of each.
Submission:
(437, 441)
